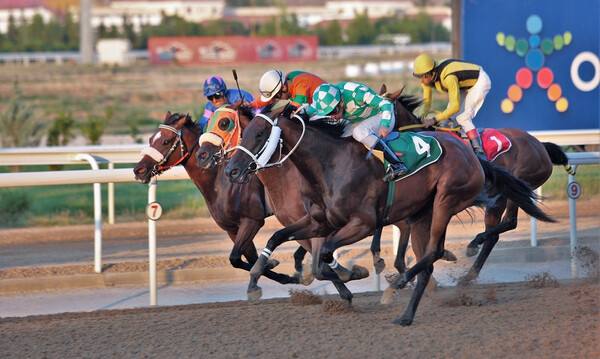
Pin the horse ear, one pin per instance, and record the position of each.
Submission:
(188, 117)
(383, 89)
(167, 115)
(237, 105)
(397, 94)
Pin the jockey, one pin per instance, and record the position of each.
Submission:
(297, 86)
(467, 86)
(218, 95)
(369, 117)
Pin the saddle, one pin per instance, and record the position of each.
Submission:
(415, 150)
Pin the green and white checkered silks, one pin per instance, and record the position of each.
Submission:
(325, 98)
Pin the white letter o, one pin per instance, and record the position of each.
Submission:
(577, 61)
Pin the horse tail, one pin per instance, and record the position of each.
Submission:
(558, 156)
(514, 189)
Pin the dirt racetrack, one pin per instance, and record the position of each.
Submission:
(486, 321)
(539, 318)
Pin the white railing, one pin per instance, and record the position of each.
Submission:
(131, 154)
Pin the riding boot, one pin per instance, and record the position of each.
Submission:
(396, 167)
(478, 147)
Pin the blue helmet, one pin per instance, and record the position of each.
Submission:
(214, 84)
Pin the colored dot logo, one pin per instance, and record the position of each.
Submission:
(534, 51)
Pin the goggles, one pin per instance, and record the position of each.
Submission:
(270, 94)
(217, 96)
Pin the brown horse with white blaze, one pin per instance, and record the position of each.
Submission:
(238, 210)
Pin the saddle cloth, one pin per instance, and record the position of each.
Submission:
(415, 150)
(494, 142)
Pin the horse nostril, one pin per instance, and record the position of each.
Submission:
(203, 155)
(140, 170)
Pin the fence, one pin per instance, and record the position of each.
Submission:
(94, 155)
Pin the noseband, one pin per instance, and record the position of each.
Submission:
(260, 159)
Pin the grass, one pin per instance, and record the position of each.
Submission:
(73, 204)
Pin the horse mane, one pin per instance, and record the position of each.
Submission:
(411, 102)
(189, 123)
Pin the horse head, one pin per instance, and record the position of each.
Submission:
(404, 106)
(171, 145)
(222, 135)
(258, 143)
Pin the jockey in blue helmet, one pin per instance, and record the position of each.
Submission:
(217, 94)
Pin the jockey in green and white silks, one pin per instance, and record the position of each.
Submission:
(369, 117)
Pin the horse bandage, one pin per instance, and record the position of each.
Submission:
(210, 138)
(153, 153)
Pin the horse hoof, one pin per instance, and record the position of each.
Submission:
(472, 251)
(272, 263)
(388, 296)
(400, 282)
(405, 322)
(379, 266)
(359, 272)
(254, 295)
(449, 256)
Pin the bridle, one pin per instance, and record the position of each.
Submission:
(161, 159)
(260, 159)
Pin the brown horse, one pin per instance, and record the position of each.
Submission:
(527, 159)
(282, 183)
(238, 210)
(345, 197)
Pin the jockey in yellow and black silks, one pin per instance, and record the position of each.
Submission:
(466, 84)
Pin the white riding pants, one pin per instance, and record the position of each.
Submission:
(367, 131)
(471, 101)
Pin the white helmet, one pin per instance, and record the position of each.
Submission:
(270, 84)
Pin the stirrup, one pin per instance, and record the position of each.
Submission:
(393, 174)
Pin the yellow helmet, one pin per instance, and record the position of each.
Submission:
(423, 64)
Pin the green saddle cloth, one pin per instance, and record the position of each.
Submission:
(415, 150)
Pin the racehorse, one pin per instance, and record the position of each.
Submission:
(345, 197)
(527, 159)
(239, 210)
(282, 184)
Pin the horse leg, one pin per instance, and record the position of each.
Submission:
(324, 272)
(400, 262)
(409, 313)
(428, 238)
(352, 232)
(304, 276)
(378, 262)
(297, 230)
(243, 244)
(509, 222)
(492, 220)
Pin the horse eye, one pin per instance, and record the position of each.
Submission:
(165, 142)
(225, 124)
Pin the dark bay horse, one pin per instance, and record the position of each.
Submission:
(527, 159)
(282, 182)
(238, 210)
(345, 196)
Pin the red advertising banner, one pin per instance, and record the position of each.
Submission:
(231, 49)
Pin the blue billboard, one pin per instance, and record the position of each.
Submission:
(542, 57)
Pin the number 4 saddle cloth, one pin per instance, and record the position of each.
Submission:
(415, 150)
(418, 151)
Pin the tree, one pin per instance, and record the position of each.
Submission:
(360, 31)
(61, 130)
(19, 122)
(331, 35)
(96, 125)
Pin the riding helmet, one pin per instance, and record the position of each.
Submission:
(423, 64)
(214, 84)
(270, 84)
(325, 98)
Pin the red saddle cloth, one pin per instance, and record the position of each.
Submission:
(494, 142)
